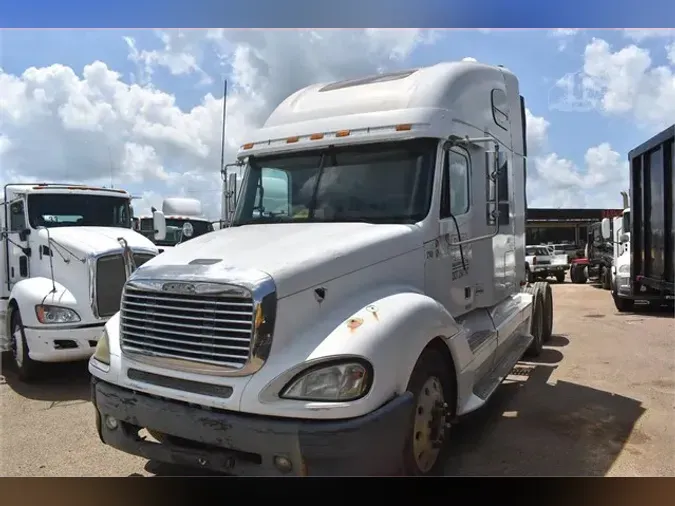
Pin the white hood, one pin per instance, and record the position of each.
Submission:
(296, 255)
(94, 240)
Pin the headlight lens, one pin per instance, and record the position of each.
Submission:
(336, 382)
(624, 269)
(102, 352)
(55, 314)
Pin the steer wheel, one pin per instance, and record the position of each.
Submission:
(433, 387)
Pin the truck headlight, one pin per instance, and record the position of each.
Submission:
(55, 314)
(345, 381)
(102, 351)
(624, 269)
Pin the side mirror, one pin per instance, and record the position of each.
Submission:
(232, 191)
(159, 224)
(624, 238)
(606, 229)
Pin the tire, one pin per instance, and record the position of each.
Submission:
(578, 274)
(26, 367)
(430, 369)
(606, 278)
(623, 305)
(538, 323)
(560, 277)
(530, 276)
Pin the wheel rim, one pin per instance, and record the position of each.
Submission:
(17, 345)
(429, 424)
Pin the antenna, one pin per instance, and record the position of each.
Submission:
(222, 134)
(111, 167)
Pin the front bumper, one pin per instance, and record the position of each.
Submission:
(62, 345)
(247, 445)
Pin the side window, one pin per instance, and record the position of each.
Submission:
(17, 219)
(503, 197)
(274, 184)
(500, 109)
(455, 193)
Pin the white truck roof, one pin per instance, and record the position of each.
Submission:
(182, 206)
(67, 188)
(417, 102)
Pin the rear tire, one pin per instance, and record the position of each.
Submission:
(434, 391)
(539, 323)
(578, 274)
(26, 367)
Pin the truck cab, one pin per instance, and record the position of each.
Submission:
(369, 291)
(184, 221)
(66, 252)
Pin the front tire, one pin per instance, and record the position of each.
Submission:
(606, 278)
(623, 305)
(26, 367)
(560, 277)
(434, 389)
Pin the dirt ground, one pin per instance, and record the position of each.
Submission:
(600, 401)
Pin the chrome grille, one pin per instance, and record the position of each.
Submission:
(207, 329)
(110, 279)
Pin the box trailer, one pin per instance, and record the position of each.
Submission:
(646, 274)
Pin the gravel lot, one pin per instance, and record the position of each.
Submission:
(600, 401)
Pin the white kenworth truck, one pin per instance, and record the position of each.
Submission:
(345, 331)
(62, 269)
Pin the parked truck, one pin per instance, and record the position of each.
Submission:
(598, 258)
(63, 269)
(343, 331)
(644, 273)
(184, 219)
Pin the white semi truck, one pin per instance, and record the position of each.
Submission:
(62, 269)
(345, 331)
(184, 220)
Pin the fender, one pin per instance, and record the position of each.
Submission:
(28, 293)
(389, 327)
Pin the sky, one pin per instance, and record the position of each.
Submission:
(142, 109)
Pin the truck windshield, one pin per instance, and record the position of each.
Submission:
(174, 230)
(72, 210)
(377, 183)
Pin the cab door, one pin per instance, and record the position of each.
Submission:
(17, 247)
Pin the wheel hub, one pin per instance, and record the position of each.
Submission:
(431, 414)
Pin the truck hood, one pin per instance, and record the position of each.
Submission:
(296, 255)
(95, 240)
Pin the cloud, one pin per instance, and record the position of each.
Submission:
(639, 34)
(559, 182)
(65, 124)
(564, 35)
(622, 82)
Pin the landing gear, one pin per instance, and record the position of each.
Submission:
(434, 391)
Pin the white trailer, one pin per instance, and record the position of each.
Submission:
(62, 269)
(345, 331)
(184, 220)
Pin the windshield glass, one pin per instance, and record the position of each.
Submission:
(376, 183)
(174, 230)
(73, 210)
